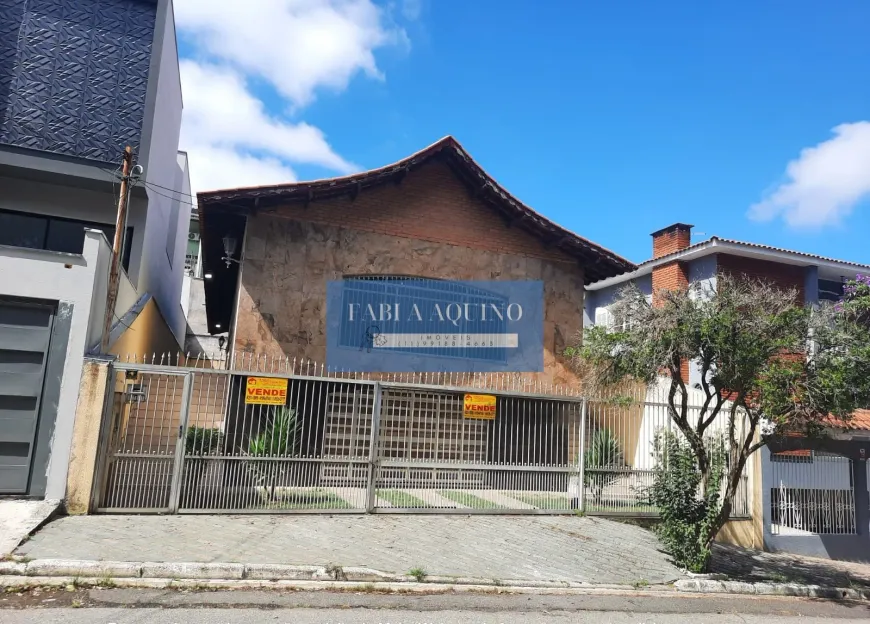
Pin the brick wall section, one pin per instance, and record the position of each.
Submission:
(671, 276)
(671, 241)
(432, 205)
(429, 226)
(783, 275)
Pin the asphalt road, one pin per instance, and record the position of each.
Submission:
(134, 606)
(366, 616)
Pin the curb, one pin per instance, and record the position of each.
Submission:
(61, 572)
(104, 571)
(702, 586)
(25, 582)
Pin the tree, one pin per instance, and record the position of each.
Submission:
(763, 359)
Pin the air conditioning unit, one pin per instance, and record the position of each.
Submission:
(193, 236)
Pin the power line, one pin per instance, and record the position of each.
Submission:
(166, 188)
(151, 185)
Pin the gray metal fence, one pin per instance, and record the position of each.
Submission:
(198, 438)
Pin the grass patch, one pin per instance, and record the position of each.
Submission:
(315, 498)
(468, 499)
(543, 500)
(419, 574)
(400, 498)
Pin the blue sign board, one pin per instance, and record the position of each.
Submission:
(410, 324)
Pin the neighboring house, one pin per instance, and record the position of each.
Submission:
(814, 494)
(79, 81)
(677, 261)
(434, 215)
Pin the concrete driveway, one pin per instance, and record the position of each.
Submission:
(541, 548)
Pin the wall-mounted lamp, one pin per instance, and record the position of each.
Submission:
(217, 325)
(229, 250)
(208, 276)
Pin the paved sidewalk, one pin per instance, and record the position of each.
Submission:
(754, 566)
(19, 517)
(539, 548)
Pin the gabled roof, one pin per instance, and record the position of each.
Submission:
(730, 241)
(715, 245)
(598, 262)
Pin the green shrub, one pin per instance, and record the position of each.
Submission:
(201, 441)
(687, 518)
(279, 437)
(604, 454)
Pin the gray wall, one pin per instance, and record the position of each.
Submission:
(68, 280)
(75, 203)
(606, 296)
(165, 168)
(74, 75)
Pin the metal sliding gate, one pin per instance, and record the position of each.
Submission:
(188, 440)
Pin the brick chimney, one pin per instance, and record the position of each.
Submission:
(673, 238)
(671, 275)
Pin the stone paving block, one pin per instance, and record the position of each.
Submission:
(188, 570)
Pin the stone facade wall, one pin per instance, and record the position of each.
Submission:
(429, 226)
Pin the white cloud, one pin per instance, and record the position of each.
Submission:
(296, 45)
(214, 168)
(232, 141)
(825, 183)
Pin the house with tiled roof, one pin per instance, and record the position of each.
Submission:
(269, 252)
(677, 261)
(810, 495)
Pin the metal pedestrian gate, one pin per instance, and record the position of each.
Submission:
(202, 440)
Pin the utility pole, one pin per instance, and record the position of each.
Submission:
(115, 267)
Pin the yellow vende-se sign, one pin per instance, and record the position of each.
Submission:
(479, 407)
(266, 391)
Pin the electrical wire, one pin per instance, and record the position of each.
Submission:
(153, 188)
(166, 188)
(150, 186)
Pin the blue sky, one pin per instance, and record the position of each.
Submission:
(613, 119)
